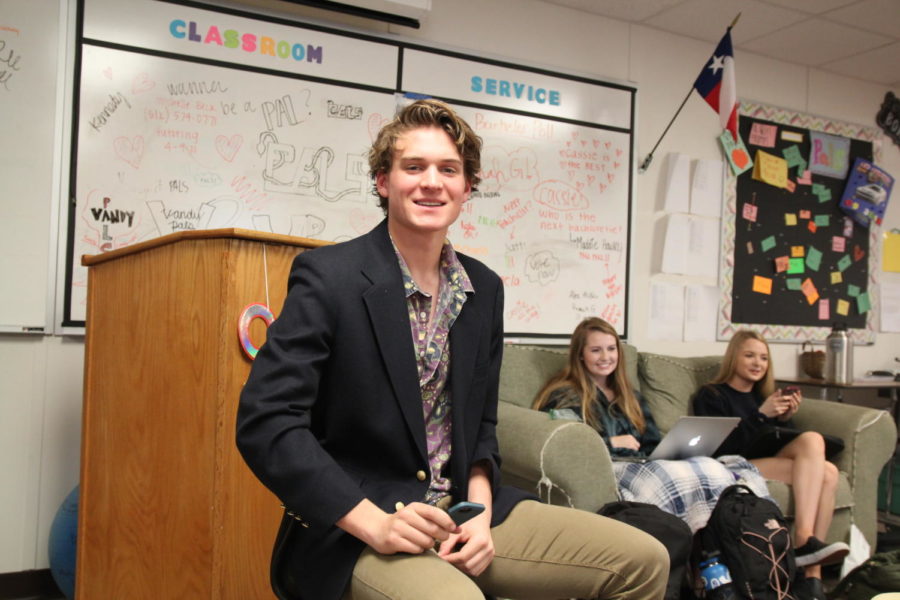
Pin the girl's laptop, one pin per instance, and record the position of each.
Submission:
(691, 436)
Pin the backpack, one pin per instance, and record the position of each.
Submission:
(754, 541)
(880, 573)
(674, 534)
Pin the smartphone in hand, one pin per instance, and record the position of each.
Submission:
(463, 511)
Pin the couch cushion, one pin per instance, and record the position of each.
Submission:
(669, 382)
(526, 369)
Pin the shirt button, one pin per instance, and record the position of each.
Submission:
(420, 475)
(398, 506)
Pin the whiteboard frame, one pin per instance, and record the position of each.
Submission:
(66, 263)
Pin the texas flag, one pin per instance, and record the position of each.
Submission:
(716, 84)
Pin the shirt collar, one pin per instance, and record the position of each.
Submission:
(452, 271)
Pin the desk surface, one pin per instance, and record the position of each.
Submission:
(867, 383)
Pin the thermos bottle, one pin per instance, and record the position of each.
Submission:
(839, 355)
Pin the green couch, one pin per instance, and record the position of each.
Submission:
(567, 463)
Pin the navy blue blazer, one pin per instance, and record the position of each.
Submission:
(332, 410)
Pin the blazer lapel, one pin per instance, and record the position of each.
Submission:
(388, 314)
(464, 341)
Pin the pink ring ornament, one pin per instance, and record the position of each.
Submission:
(250, 312)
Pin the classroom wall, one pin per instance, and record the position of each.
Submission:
(41, 377)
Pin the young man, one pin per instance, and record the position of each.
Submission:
(373, 405)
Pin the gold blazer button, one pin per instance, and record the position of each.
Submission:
(420, 475)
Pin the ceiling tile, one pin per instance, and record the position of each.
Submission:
(707, 19)
(881, 65)
(881, 16)
(815, 7)
(624, 10)
(815, 42)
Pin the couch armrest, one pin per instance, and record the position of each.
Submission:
(564, 462)
(870, 437)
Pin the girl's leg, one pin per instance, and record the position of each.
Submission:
(801, 463)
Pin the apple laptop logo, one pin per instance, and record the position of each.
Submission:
(694, 441)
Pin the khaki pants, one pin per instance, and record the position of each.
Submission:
(541, 552)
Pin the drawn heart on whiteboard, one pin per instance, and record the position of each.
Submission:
(107, 72)
(131, 151)
(363, 222)
(739, 158)
(228, 147)
(375, 123)
(142, 83)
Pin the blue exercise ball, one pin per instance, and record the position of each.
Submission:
(63, 537)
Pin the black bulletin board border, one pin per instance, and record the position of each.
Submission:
(775, 331)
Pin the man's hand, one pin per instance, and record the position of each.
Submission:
(477, 546)
(412, 529)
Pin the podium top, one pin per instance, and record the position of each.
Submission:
(89, 260)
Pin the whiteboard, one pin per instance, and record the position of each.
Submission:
(197, 135)
(29, 72)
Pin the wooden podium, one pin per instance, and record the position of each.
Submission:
(167, 507)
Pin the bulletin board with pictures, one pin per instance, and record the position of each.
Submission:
(794, 262)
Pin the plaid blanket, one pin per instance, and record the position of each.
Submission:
(689, 489)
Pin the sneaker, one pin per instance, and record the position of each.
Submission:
(816, 552)
(810, 588)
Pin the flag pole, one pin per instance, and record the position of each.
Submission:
(646, 162)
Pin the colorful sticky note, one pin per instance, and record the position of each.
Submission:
(844, 262)
(806, 178)
(824, 194)
(768, 243)
(836, 277)
(749, 211)
(809, 290)
(795, 265)
(793, 283)
(838, 244)
(770, 169)
(853, 290)
(843, 307)
(797, 251)
(848, 227)
(790, 219)
(763, 135)
(790, 186)
(862, 303)
(781, 264)
(811, 225)
(813, 258)
(829, 155)
(890, 252)
(805, 214)
(792, 136)
(823, 309)
(823, 220)
(762, 285)
(792, 156)
(858, 253)
(736, 153)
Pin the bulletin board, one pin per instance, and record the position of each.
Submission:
(793, 263)
(185, 121)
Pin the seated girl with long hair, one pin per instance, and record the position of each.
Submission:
(745, 388)
(593, 388)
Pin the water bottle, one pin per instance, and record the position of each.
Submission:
(839, 355)
(716, 579)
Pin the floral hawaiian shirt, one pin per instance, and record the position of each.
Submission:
(433, 357)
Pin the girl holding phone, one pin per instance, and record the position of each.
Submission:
(745, 388)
